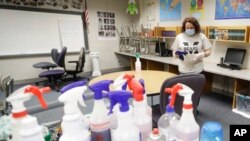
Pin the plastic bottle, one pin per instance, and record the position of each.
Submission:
(140, 116)
(74, 126)
(126, 130)
(145, 98)
(19, 112)
(30, 130)
(119, 84)
(187, 129)
(212, 131)
(138, 62)
(156, 135)
(168, 121)
(99, 119)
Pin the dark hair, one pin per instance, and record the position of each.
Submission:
(194, 22)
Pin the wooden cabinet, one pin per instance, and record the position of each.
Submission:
(166, 32)
(226, 33)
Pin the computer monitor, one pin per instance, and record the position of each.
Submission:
(235, 57)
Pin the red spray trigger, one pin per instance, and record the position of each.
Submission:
(135, 86)
(173, 91)
(38, 92)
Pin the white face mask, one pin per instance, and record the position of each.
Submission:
(190, 32)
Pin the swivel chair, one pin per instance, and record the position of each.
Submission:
(55, 74)
(194, 81)
(79, 65)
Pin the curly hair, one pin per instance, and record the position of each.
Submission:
(194, 22)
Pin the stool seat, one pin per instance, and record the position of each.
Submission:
(44, 65)
(51, 73)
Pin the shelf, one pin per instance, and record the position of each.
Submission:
(168, 32)
(226, 33)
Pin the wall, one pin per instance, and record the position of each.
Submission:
(20, 68)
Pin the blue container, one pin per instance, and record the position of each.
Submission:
(211, 131)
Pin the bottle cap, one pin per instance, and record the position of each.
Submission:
(99, 87)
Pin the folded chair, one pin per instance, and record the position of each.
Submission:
(194, 81)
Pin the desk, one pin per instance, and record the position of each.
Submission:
(153, 62)
(153, 79)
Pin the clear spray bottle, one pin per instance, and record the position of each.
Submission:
(126, 129)
(187, 129)
(140, 116)
(168, 121)
(74, 126)
(99, 120)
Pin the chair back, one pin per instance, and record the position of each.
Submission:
(59, 58)
(194, 81)
(81, 59)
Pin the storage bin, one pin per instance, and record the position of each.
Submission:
(243, 101)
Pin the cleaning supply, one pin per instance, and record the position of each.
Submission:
(137, 62)
(30, 130)
(145, 98)
(19, 112)
(140, 116)
(187, 128)
(74, 126)
(156, 135)
(212, 131)
(126, 130)
(99, 120)
(168, 121)
(119, 84)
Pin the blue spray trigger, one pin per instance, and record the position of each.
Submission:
(143, 85)
(120, 97)
(73, 85)
(99, 87)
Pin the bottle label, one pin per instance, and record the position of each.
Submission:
(101, 135)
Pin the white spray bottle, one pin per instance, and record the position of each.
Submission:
(137, 63)
(119, 84)
(19, 112)
(187, 129)
(126, 129)
(74, 126)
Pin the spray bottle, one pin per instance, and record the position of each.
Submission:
(187, 129)
(145, 98)
(126, 130)
(168, 121)
(119, 84)
(141, 119)
(138, 62)
(99, 119)
(19, 112)
(74, 126)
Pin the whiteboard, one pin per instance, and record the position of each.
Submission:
(27, 32)
(71, 34)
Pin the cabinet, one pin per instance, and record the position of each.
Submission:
(166, 32)
(226, 33)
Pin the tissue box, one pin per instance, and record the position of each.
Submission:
(243, 101)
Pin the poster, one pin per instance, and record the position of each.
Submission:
(106, 25)
(232, 9)
(197, 8)
(170, 10)
(151, 10)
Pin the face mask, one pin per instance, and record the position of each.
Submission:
(189, 32)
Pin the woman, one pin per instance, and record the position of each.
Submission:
(191, 46)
